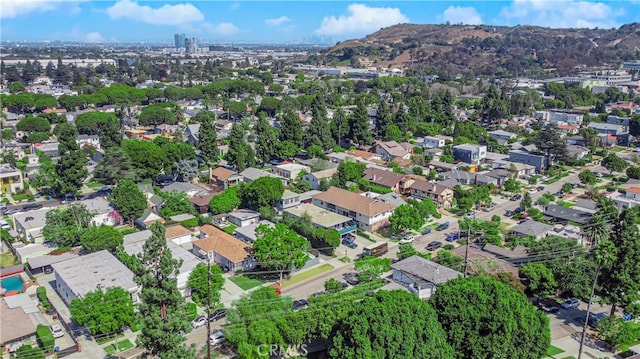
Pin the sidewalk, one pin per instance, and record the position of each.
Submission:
(571, 346)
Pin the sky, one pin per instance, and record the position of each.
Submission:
(265, 21)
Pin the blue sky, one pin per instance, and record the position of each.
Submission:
(270, 21)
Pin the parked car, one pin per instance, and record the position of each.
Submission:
(524, 220)
(548, 305)
(518, 210)
(406, 239)
(451, 237)
(489, 208)
(199, 321)
(217, 315)
(57, 330)
(432, 246)
(11, 211)
(570, 303)
(540, 188)
(349, 242)
(509, 213)
(352, 278)
(216, 338)
(299, 304)
(516, 197)
(533, 190)
(595, 318)
(426, 231)
(31, 206)
(318, 294)
(442, 226)
(4, 225)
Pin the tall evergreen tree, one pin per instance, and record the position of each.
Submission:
(339, 126)
(291, 128)
(162, 308)
(360, 131)
(266, 139)
(237, 155)
(207, 137)
(383, 117)
(71, 166)
(402, 119)
(319, 131)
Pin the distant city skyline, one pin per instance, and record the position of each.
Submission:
(282, 22)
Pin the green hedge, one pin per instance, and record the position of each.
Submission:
(192, 311)
(45, 338)
(190, 223)
(41, 292)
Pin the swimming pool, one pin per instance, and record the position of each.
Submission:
(13, 283)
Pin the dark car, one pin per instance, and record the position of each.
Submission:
(452, 237)
(516, 197)
(11, 211)
(509, 213)
(432, 246)
(595, 318)
(518, 210)
(299, 304)
(349, 242)
(549, 308)
(31, 206)
(442, 226)
(217, 315)
(540, 188)
(352, 278)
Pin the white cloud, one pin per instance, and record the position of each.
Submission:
(561, 13)
(277, 21)
(93, 37)
(15, 8)
(234, 6)
(361, 19)
(222, 29)
(460, 14)
(165, 15)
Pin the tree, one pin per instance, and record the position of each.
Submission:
(114, 167)
(16, 87)
(225, 202)
(207, 136)
(359, 125)
(102, 237)
(374, 325)
(319, 132)
(129, 200)
(147, 157)
(104, 312)
(26, 351)
(406, 250)
(526, 201)
(633, 172)
(512, 185)
(176, 203)
(238, 155)
(203, 286)
(539, 279)
(548, 141)
(155, 115)
(33, 124)
(266, 139)
(370, 267)
(291, 128)
(279, 248)
(614, 163)
(332, 286)
(104, 124)
(162, 310)
(406, 217)
(349, 171)
(383, 117)
(263, 192)
(64, 226)
(587, 177)
(500, 323)
(71, 166)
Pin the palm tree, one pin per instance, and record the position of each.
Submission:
(599, 227)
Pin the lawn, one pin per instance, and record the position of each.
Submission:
(344, 259)
(245, 283)
(122, 346)
(94, 185)
(108, 338)
(625, 347)
(230, 229)
(20, 197)
(306, 275)
(7, 260)
(554, 351)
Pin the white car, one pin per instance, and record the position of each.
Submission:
(217, 338)
(57, 330)
(407, 239)
(199, 321)
(533, 190)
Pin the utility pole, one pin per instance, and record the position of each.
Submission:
(208, 308)
(466, 250)
(586, 319)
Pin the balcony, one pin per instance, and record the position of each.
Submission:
(346, 230)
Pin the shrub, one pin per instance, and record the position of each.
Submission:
(192, 311)
(190, 223)
(45, 338)
(448, 246)
(41, 292)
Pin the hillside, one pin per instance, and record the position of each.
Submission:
(523, 50)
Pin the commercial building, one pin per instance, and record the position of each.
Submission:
(179, 41)
(190, 45)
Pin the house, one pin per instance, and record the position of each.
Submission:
(469, 153)
(307, 197)
(251, 174)
(133, 244)
(364, 155)
(441, 195)
(620, 132)
(568, 129)
(390, 150)
(384, 178)
(462, 177)
(530, 228)
(88, 141)
(442, 166)
(289, 199)
(561, 214)
(323, 218)
(223, 177)
(518, 169)
(154, 201)
(501, 176)
(539, 161)
(18, 325)
(577, 152)
(148, 218)
(290, 171)
(422, 276)
(243, 217)
(576, 140)
(502, 136)
(631, 198)
(434, 141)
(178, 234)
(314, 178)
(49, 149)
(11, 180)
(99, 270)
(221, 248)
(191, 133)
(201, 202)
(586, 205)
(248, 233)
(29, 225)
(189, 189)
(515, 256)
(103, 212)
(370, 214)
(392, 198)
